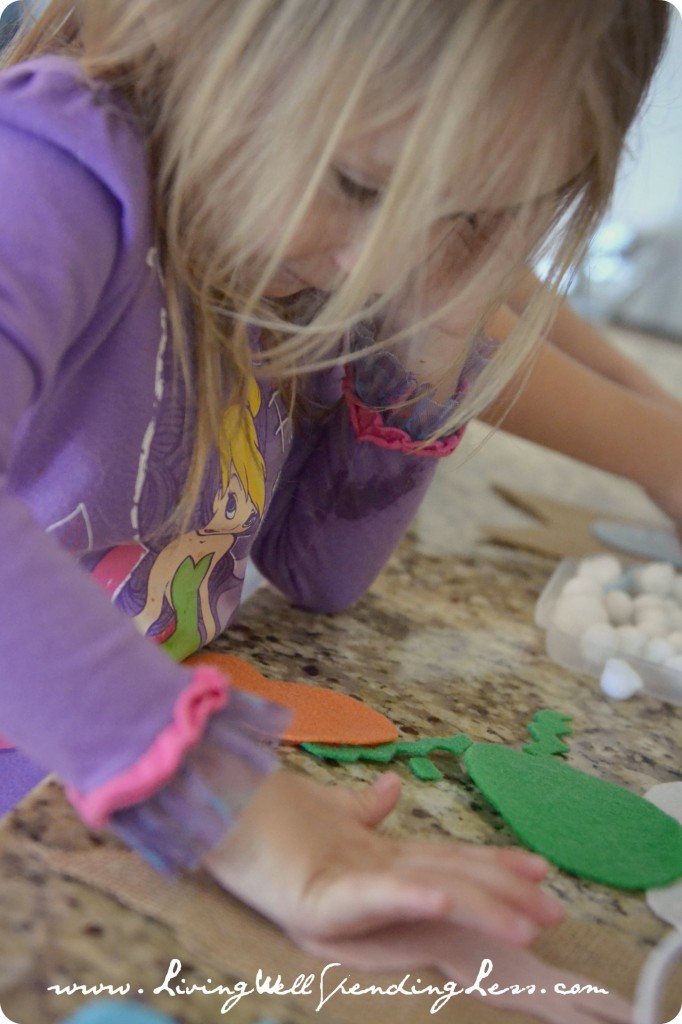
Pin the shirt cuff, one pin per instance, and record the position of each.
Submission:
(183, 795)
(371, 425)
(389, 406)
(181, 822)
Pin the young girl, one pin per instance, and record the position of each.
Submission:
(253, 254)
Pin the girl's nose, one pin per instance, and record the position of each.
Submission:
(346, 258)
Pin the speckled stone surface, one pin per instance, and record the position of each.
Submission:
(445, 647)
(444, 642)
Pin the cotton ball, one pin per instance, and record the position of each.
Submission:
(676, 618)
(676, 640)
(574, 614)
(674, 663)
(581, 585)
(599, 642)
(659, 650)
(648, 602)
(654, 624)
(631, 640)
(619, 680)
(656, 578)
(619, 606)
(602, 568)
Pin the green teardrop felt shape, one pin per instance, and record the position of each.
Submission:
(584, 825)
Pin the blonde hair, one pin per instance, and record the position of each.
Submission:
(245, 102)
(239, 449)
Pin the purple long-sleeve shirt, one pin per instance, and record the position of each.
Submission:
(93, 453)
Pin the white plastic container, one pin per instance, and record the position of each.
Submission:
(565, 649)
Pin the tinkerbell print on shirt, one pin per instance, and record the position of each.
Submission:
(182, 590)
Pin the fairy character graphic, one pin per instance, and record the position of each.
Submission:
(188, 575)
(182, 591)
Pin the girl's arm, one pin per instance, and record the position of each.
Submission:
(572, 408)
(583, 341)
(81, 692)
(355, 478)
(339, 510)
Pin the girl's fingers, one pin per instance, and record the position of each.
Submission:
(519, 862)
(510, 875)
(519, 895)
(373, 803)
(353, 904)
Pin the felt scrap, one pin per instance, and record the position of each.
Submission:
(417, 751)
(320, 715)
(424, 769)
(559, 530)
(583, 824)
(546, 728)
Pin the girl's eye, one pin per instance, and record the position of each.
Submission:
(231, 507)
(361, 194)
(471, 220)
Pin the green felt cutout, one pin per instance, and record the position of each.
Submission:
(546, 728)
(416, 750)
(583, 824)
(424, 769)
(383, 753)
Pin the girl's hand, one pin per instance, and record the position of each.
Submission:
(308, 857)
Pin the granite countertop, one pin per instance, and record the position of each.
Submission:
(444, 642)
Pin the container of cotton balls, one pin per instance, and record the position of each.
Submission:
(621, 623)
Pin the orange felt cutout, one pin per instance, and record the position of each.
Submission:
(320, 716)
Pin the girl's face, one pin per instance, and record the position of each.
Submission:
(330, 239)
(327, 244)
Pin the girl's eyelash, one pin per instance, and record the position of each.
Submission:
(362, 194)
(470, 219)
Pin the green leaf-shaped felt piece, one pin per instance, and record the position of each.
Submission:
(546, 728)
(584, 825)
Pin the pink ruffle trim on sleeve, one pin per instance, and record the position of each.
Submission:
(369, 426)
(207, 693)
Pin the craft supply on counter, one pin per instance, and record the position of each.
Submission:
(321, 715)
(583, 824)
(622, 623)
(642, 541)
